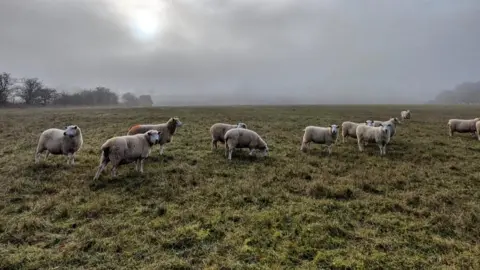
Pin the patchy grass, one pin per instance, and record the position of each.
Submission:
(417, 207)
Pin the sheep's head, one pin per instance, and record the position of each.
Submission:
(385, 128)
(153, 136)
(71, 131)
(395, 120)
(369, 123)
(177, 121)
(241, 125)
(334, 129)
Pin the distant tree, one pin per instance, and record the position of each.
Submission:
(45, 96)
(130, 99)
(465, 93)
(29, 90)
(145, 100)
(6, 84)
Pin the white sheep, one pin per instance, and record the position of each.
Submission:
(319, 135)
(167, 130)
(393, 121)
(379, 135)
(349, 128)
(60, 142)
(121, 150)
(218, 130)
(405, 114)
(462, 126)
(244, 138)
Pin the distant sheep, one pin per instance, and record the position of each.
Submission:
(319, 135)
(393, 121)
(121, 150)
(218, 130)
(167, 130)
(379, 135)
(244, 138)
(405, 114)
(349, 129)
(462, 126)
(60, 142)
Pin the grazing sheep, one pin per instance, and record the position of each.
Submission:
(405, 114)
(320, 135)
(393, 121)
(218, 130)
(167, 130)
(462, 126)
(244, 138)
(379, 135)
(349, 129)
(127, 149)
(60, 142)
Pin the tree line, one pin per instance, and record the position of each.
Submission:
(33, 92)
(464, 93)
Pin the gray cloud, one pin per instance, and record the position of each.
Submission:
(321, 50)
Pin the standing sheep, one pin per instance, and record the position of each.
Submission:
(462, 126)
(349, 129)
(393, 124)
(379, 135)
(320, 135)
(127, 149)
(60, 142)
(405, 114)
(218, 130)
(167, 130)
(244, 138)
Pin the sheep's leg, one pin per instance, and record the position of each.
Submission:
(214, 144)
(251, 152)
(330, 149)
(69, 158)
(230, 151)
(114, 171)
(72, 159)
(162, 149)
(360, 145)
(141, 165)
(343, 138)
(46, 155)
(136, 165)
(100, 169)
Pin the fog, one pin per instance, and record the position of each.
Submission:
(246, 51)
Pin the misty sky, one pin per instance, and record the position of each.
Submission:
(324, 50)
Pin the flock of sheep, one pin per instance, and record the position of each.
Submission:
(136, 145)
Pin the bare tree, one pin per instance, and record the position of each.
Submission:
(6, 83)
(45, 96)
(29, 90)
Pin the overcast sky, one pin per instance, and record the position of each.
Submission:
(324, 50)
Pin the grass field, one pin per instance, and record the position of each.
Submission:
(417, 207)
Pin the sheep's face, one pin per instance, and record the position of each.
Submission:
(153, 136)
(178, 123)
(385, 128)
(369, 123)
(241, 125)
(265, 151)
(334, 129)
(395, 120)
(71, 131)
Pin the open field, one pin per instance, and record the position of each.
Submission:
(417, 207)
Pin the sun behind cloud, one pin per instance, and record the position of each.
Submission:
(146, 18)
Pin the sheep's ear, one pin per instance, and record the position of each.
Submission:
(380, 125)
(64, 133)
(75, 127)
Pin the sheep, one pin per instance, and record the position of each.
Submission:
(320, 135)
(462, 126)
(349, 128)
(405, 114)
(167, 130)
(244, 138)
(393, 121)
(127, 149)
(60, 142)
(218, 130)
(379, 135)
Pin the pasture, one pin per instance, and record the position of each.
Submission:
(417, 207)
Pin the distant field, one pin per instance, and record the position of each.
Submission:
(417, 207)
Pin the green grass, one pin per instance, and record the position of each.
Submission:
(417, 207)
